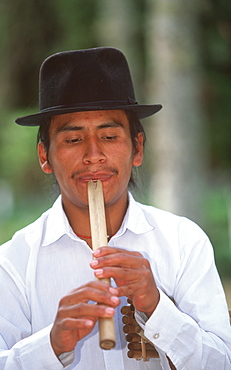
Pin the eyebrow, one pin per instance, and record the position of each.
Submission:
(70, 127)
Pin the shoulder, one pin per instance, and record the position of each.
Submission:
(165, 219)
(178, 240)
(22, 252)
(173, 227)
(21, 243)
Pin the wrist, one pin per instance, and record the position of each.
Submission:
(58, 351)
(149, 312)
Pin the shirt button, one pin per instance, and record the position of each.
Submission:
(156, 336)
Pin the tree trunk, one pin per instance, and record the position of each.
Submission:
(119, 24)
(177, 134)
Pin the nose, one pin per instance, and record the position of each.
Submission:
(93, 152)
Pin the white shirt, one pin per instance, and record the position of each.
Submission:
(45, 260)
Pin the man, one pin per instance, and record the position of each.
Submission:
(90, 130)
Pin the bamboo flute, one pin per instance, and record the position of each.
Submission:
(99, 239)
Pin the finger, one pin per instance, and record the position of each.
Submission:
(91, 295)
(96, 291)
(118, 273)
(138, 284)
(103, 251)
(121, 259)
(73, 323)
(128, 277)
(84, 311)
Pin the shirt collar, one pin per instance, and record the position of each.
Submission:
(58, 225)
(135, 219)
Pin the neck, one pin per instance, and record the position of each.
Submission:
(89, 237)
(80, 221)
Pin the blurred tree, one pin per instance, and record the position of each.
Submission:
(31, 30)
(179, 133)
(29, 34)
(120, 24)
(216, 51)
(77, 23)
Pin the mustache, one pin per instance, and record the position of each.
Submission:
(80, 173)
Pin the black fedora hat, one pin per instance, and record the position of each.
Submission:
(85, 80)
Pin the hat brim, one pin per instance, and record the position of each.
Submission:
(37, 119)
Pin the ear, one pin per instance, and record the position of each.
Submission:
(139, 151)
(43, 160)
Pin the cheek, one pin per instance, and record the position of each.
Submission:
(124, 161)
(122, 155)
(61, 161)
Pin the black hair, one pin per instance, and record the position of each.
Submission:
(44, 135)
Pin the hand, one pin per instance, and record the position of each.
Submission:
(76, 317)
(132, 274)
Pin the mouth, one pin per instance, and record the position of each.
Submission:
(103, 175)
(94, 178)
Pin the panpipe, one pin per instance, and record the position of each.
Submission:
(139, 347)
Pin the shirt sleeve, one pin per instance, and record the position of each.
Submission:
(194, 331)
(67, 358)
(179, 337)
(36, 350)
(19, 347)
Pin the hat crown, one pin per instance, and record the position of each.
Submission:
(85, 80)
(97, 75)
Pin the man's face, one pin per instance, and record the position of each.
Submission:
(91, 145)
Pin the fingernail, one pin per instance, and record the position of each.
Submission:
(115, 299)
(99, 272)
(96, 253)
(109, 311)
(94, 263)
(113, 291)
(88, 323)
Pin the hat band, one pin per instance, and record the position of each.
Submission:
(113, 103)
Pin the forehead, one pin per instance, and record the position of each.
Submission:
(89, 119)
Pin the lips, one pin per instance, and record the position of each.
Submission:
(102, 174)
(95, 178)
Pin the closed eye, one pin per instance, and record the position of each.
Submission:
(109, 137)
(72, 141)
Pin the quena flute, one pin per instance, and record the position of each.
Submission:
(99, 239)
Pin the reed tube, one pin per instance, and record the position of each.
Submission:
(139, 347)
